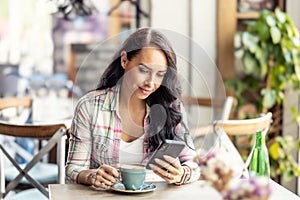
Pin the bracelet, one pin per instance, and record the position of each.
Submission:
(188, 173)
(185, 177)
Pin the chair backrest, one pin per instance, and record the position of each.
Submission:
(196, 101)
(52, 133)
(9, 102)
(246, 126)
(225, 127)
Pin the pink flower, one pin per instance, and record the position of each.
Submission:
(217, 170)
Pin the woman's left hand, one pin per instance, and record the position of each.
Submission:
(171, 171)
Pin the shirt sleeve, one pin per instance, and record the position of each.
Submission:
(80, 142)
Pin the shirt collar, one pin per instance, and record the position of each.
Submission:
(111, 101)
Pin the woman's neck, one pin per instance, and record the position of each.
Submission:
(132, 112)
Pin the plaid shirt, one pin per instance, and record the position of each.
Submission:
(96, 134)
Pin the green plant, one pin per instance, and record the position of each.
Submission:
(270, 62)
(272, 54)
(282, 162)
(271, 57)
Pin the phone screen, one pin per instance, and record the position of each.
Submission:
(169, 147)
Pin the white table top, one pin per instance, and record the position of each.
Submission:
(52, 110)
(196, 190)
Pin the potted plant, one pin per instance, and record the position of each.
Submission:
(270, 56)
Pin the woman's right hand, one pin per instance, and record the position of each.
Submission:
(106, 177)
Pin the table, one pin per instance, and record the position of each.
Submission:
(52, 110)
(196, 190)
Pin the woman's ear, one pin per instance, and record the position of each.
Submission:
(123, 59)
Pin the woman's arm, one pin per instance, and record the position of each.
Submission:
(78, 168)
(80, 144)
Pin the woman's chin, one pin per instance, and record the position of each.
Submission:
(142, 96)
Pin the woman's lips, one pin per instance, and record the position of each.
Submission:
(145, 91)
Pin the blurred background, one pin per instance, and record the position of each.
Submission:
(44, 44)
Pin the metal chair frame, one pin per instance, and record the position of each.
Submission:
(53, 133)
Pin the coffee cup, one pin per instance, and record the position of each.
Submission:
(133, 176)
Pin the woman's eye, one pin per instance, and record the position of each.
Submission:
(161, 75)
(143, 70)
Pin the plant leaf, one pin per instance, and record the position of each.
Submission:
(296, 60)
(287, 55)
(288, 174)
(280, 15)
(270, 20)
(296, 41)
(263, 31)
(263, 67)
(269, 98)
(296, 117)
(249, 63)
(249, 41)
(289, 30)
(295, 30)
(273, 150)
(275, 34)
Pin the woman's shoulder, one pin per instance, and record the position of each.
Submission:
(97, 97)
(93, 95)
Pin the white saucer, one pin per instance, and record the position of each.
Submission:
(119, 187)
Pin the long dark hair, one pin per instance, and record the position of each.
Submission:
(164, 103)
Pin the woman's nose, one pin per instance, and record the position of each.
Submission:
(150, 81)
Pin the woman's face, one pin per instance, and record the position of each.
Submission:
(145, 72)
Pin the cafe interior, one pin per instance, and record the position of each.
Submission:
(238, 62)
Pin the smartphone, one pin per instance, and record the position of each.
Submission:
(168, 147)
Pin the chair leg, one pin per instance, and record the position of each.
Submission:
(23, 172)
(61, 148)
(2, 178)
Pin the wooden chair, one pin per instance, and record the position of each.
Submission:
(54, 134)
(246, 126)
(223, 128)
(187, 100)
(10, 102)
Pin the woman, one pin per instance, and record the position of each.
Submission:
(134, 108)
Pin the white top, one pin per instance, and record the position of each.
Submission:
(131, 152)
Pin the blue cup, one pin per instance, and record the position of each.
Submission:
(133, 176)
